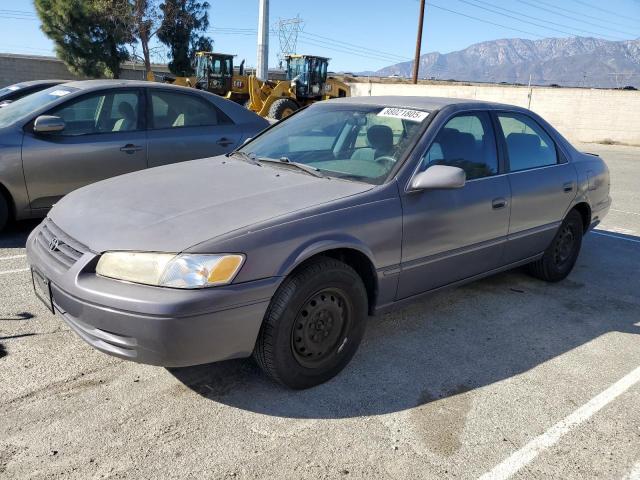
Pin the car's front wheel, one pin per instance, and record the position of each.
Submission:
(560, 257)
(314, 324)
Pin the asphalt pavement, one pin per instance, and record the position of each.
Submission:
(505, 377)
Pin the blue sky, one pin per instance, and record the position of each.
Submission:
(367, 35)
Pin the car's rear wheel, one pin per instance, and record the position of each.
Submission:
(314, 324)
(560, 257)
(4, 212)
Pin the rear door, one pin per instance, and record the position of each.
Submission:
(543, 184)
(185, 127)
(103, 137)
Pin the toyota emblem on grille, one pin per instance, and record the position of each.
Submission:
(53, 244)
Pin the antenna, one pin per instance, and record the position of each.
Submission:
(288, 30)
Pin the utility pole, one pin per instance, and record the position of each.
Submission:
(262, 58)
(416, 60)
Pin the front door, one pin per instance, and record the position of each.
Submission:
(103, 137)
(453, 234)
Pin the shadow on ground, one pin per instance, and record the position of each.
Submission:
(453, 341)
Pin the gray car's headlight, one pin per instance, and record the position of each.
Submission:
(169, 269)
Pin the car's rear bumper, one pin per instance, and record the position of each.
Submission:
(157, 326)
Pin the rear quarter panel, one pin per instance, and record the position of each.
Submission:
(593, 184)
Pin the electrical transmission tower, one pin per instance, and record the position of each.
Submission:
(288, 30)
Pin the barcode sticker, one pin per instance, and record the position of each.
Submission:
(404, 114)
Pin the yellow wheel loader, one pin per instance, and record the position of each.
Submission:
(306, 82)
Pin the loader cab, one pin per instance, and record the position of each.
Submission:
(308, 74)
(214, 72)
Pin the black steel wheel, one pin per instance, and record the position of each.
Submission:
(561, 255)
(314, 324)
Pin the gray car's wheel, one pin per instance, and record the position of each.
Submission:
(313, 325)
(560, 257)
(4, 212)
(282, 108)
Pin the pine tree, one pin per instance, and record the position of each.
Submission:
(181, 30)
(89, 35)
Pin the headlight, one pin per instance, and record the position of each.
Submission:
(169, 269)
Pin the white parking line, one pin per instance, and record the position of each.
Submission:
(634, 474)
(15, 271)
(599, 232)
(13, 257)
(625, 211)
(532, 449)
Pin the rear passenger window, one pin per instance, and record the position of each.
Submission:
(466, 141)
(175, 110)
(528, 145)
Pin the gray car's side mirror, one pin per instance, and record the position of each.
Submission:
(439, 177)
(48, 124)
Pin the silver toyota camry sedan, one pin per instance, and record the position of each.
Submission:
(284, 248)
(77, 133)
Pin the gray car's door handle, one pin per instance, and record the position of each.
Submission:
(224, 142)
(131, 148)
(568, 187)
(499, 203)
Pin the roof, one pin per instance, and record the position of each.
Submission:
(422, 103)
(113, 83)
(31, 83)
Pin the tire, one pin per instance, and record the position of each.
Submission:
(282, 108)
(314, 324)
(561, 255)
(4, 212)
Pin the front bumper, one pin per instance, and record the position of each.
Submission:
(153, 325)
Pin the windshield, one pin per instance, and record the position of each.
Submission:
(354, 142)
(24, 106)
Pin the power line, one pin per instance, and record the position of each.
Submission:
(574, 18)
(580, 14)
(498, 12)
(604, 10)
(483, 20)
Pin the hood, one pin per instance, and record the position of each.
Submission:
(171, 208)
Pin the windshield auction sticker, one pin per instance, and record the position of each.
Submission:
(404, 114)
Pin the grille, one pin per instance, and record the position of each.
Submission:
(58, 245)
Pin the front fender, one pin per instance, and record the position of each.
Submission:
(323, 244)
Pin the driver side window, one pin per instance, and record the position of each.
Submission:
(466, 141)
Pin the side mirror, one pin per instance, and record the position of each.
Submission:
(48, 124)
(439, 177)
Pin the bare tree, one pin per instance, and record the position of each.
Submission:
(146, 21)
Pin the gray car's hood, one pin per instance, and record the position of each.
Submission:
(174, 207)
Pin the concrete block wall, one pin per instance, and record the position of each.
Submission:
(21, 68)
(582, 115)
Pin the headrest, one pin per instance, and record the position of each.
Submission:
(380, 137)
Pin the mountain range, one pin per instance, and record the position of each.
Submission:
(575, 61)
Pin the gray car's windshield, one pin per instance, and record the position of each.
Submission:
(18, 109)
(355, 142)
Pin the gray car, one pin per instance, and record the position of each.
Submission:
(284, 247)
(14, 92)
(71, 135)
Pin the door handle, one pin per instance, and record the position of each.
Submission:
(568, 187)
(498, 203)
(224, 142)
(131, 148)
